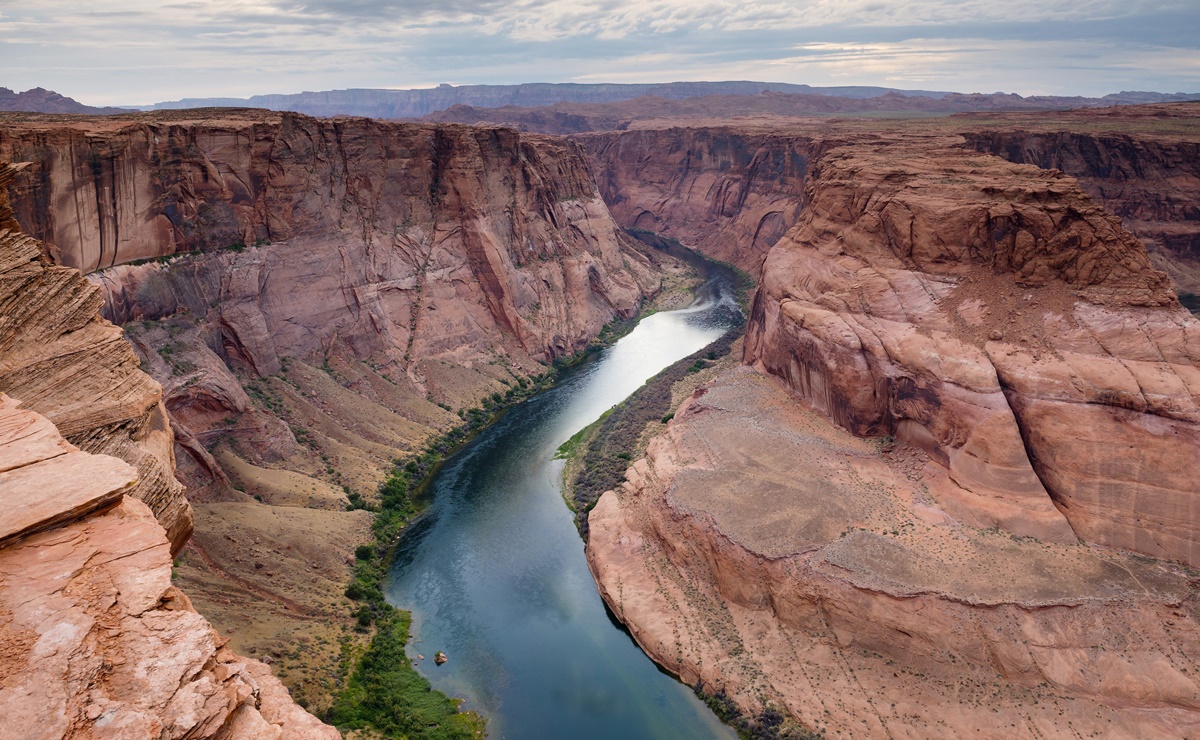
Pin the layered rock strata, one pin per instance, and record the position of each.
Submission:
(450, 260)
(1149, 178)
(61, 359)
(319, 299)
(762, 551)
(995, 316)
(729, 193)
(94, 639)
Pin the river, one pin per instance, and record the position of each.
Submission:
(495, 575)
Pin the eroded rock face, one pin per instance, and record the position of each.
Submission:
(993, 315)
(1030, 387)
(62, 360)
(1149, 178)
(385, 219)
(94, 639)
(413, 248)
(763, 551)
(372, 228)
(729, 194)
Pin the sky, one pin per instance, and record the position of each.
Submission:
(105, 52)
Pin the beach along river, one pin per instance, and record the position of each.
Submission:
(495, 573)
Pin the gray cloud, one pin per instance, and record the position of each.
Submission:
(138, 51)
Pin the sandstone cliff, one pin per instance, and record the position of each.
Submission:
(1148, 176)
(61, 359)
(318, 299)
(1031, 387)
(94, 639)
(763, 552)
(449, 260)
(979, 310)
(729, 193)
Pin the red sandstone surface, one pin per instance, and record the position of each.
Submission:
(1012, 550)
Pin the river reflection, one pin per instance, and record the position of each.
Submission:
(495, 573)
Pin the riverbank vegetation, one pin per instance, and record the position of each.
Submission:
(384, 693)
(769, 724)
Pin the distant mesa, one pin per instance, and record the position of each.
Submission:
(41, 100)
(416, 103)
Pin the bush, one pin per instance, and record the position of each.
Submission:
(385, 693)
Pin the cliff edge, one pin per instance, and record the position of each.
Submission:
(94, 639)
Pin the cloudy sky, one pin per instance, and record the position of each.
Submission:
(105, 52)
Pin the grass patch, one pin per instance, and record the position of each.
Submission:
(386, 694)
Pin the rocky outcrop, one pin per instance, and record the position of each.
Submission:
(94, 639)
(761, 551)
(729, 193)
(995, 316)
(62, 360)
(1148, 176)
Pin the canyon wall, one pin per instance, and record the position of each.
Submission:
(728, 193)
(318, 299)
(94, 638)
(799, 573)
(424, 251)
(1151, 181)
(979, 309)
(62, 360)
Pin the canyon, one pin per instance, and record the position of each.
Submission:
(304, 303)
(950, 489)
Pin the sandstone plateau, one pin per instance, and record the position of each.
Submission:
(954, 492)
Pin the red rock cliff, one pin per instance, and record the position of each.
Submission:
(1145, 169)
(997, 317)
(382, 221)
(61, 359)
(985, 572)
(730, 194)
(94, 639)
